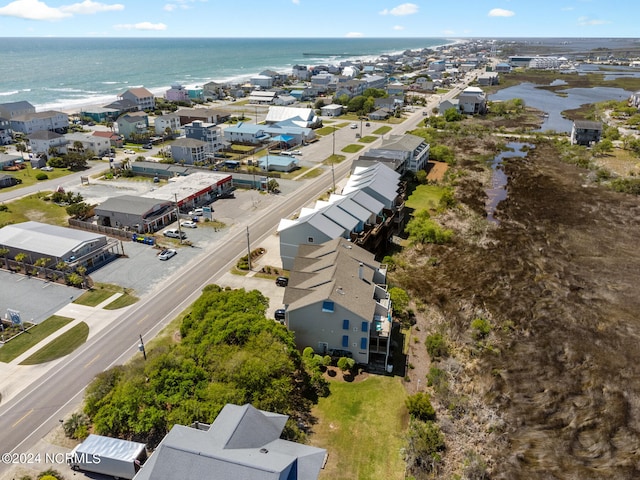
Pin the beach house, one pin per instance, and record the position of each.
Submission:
(142, 97)
(337, 299)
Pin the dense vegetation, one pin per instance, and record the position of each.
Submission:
(228, 353)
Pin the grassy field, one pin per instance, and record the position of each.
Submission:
(61, 346)
(28, 176)
(101, 292)
(425, 197)
(362, 425)
(368, 139)
(24, 342)
(382, 130)
(34, 208)
(352, 148)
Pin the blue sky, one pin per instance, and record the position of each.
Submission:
(320, 18)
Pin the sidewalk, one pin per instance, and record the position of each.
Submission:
(16, 377)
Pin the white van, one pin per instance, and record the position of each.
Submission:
(286, 154)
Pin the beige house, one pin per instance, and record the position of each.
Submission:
(337, 299)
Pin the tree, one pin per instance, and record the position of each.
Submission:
(3, 253)
(441, 153)
(452, 115)
(20, 258)
(419, 406)
(399, 300)
(602, 148)
(79, 210)
(422, 229)
(21, 147)
(436, 346)
(346, 364)
(425, 441)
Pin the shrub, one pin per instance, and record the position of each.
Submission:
(436, 346)
(424, 442)
(419, 406)
(437, 378)
(346, 364)
(41, 176)
(481, 328)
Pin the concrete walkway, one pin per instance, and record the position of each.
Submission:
(16, 377)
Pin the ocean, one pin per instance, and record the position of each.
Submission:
(64, 73)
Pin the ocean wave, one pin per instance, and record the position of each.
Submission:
(12, 92)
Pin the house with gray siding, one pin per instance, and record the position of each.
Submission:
(134, 123)
(369, 210)
(411, 149)
(337, 298)
(139, 214)
(42, 141)
(142, 97)
(32, 122)
(585, 132)
(243, 443)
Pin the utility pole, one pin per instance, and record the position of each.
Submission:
(175, 195)
(141, 348)
(248, 249)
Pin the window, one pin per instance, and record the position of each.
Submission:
(363, 343)
(365, 327)
(327, 306)
(345, 324)
(345, 340)
(309, 239)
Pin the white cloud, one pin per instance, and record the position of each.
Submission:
(354, 35)
(588, 22)
(181, 4)
(32, 10)
(88, 8)
(141, 26)
(401, 10)
(398, 27)
(448, 32)
(295, 2)
(37, 10)
(501, 12)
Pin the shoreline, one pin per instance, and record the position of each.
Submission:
(183, 76)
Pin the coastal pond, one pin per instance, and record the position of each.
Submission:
(497, 191)
(554, 104)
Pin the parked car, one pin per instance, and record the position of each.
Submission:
(279, 315)
(354, 126)
(197, 211)
(282, 281)
(167, 254)
(129, 152)
(47, 168)
(337, 353)
(148, 146)
(189, 224)
(296, 152)
(174, 233)
(367, 124)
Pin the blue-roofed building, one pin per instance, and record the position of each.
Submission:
(256, 134)
(277, 163)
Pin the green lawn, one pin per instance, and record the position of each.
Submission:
(352, 148)
(25, 341)
(362, 425)
(425, 197)
(368, 139)
(33, 207)
(102, 291)
(382, 130)
(61, 346)
(28, 176)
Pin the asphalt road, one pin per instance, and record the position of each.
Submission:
(31, 414)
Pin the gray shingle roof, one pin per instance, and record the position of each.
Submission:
(242, 444)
